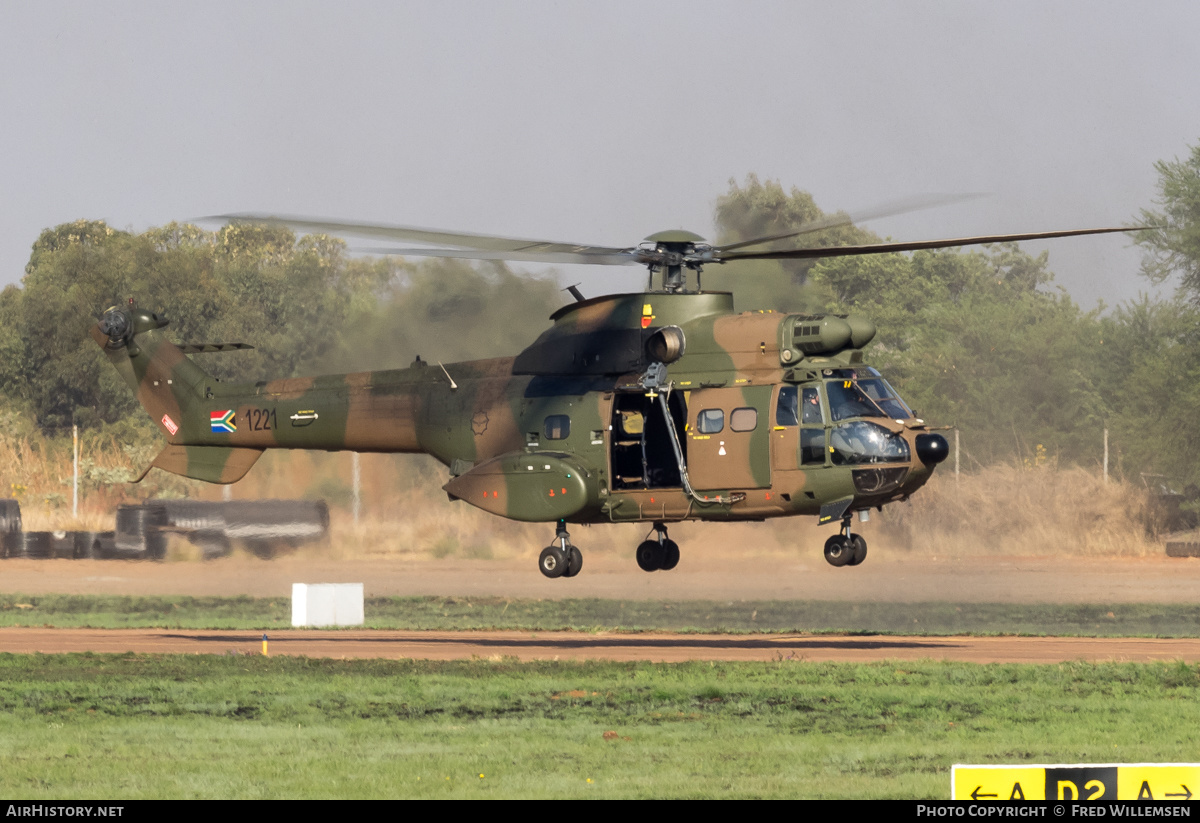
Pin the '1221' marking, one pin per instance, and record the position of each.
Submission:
(260, 419)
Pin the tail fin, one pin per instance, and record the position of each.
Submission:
(168, 384)
(174, 391)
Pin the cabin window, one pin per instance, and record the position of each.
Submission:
(743, 420)
(558, 427)
(710, 421)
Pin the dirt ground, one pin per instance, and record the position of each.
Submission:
(658, 647)
(892, 579)
(1004, 579)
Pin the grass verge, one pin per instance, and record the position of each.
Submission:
(1099, 620)
(94, 726)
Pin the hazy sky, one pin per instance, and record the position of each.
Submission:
(597, 122)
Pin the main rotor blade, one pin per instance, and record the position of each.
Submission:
(623, 258)
(885, 248)
(411, 233)
(910, 204)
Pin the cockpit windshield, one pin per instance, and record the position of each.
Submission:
(863, 393)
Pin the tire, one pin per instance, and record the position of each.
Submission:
(838, 550)
(84, 544)
(649, 556)
(553, 562)
(38, 545)
(574, 562)
(156, 544)
(262, 549)
(11, 544)
(212, 546)
(104, 546)
(860, 550)
(64, 545)
(670, 555)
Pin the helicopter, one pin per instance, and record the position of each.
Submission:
(651, 407)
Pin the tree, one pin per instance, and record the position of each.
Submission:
(970, 337)
(1174, 246)
(1151, 378)
(287, 297)
(447, 310)
(758, 209)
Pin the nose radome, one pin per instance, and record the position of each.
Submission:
(932, 448)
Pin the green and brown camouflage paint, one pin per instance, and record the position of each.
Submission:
(486, 420)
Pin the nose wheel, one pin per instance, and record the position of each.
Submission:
(658, 554)
(845, 549)
(561, 558)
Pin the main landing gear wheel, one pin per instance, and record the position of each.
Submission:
(658, 553)
(561, 558)
(670, 555)
(649, 556)
(839, 550)
(575, 562)
(553, 562)
(860, 550)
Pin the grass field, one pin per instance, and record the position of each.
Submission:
(247, 726)
(126, 727)
(1097, 620)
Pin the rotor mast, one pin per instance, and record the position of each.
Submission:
(671, 253)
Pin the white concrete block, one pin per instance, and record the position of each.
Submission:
(327, 604)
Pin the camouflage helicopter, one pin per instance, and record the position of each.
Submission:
(655, 407)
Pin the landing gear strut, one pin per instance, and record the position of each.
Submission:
(660, 553)
(845, 549)
(561, 558)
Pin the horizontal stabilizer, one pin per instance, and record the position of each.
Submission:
(213, 464)
(208, 348)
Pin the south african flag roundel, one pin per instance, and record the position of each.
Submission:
(223, 421)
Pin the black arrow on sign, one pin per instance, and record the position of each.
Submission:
(975, 795)
(1187, 796)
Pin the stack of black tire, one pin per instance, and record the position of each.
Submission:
(14, 542)
(261, 526)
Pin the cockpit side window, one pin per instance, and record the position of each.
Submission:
(797, 406)
(810, 405)
(786, 413)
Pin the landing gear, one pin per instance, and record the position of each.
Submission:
(649, 556)
(845, 549)
(553, 561)
(575, 562)
(860, 550)
(661, 553)
(561, 558)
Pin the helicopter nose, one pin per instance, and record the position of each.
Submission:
(932, 448)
